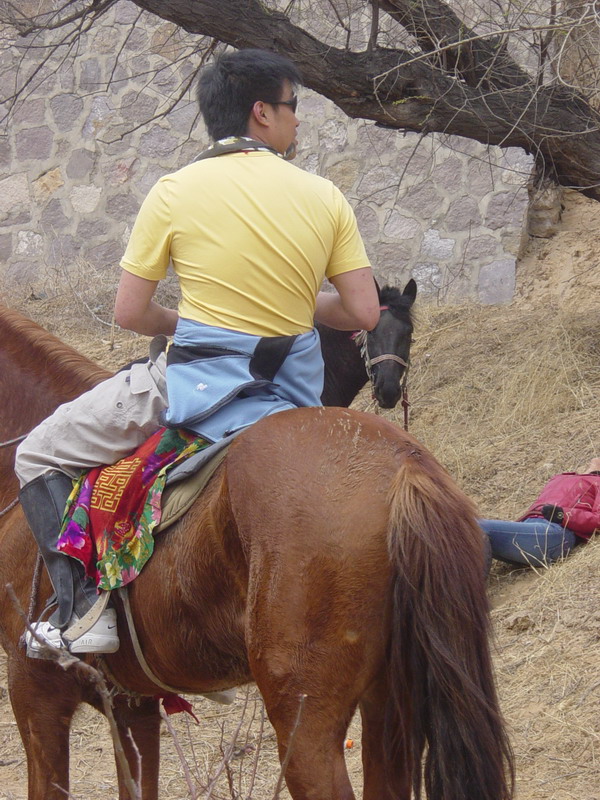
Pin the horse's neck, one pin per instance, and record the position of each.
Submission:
(29, 393)
(39, 372)
(345, 372)
(38, 368)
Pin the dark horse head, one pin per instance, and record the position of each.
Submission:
(385, 351)
(386, 348)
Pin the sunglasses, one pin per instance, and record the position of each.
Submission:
(293, 103)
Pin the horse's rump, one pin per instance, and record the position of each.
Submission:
(308, 492)
(363, 550)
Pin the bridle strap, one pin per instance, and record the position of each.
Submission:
(387, 357)
(404, 400)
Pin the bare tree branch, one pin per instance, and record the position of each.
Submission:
(476, 59)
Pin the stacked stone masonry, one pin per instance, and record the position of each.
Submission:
(89, 137)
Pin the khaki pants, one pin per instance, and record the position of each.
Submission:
(99, 427)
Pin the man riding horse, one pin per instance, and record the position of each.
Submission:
(251, 238)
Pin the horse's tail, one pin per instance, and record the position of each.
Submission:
(443, 695)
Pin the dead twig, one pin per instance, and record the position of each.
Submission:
(181, 755)
(227, 754)
(65, 660)
(290, 747)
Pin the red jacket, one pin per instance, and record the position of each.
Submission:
(578, 496)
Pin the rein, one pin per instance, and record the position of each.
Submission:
(37, 571)
(361, 341)
(10, 442)
(14, 441)
(7, 508)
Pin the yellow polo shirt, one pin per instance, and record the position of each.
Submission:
(250, 237)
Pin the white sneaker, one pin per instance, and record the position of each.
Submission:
(101, 638)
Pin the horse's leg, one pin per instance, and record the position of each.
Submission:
(310, 692)
(310, 733)
(378, 782)
(44, 701)
(313, 651)
(139, 734)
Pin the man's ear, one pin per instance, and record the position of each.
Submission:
(258, 113)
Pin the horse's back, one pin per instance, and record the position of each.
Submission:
(330, 467)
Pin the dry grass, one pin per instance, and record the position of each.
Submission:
(504, 398)
(547, 668)
(76, 302)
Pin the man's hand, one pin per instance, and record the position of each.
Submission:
(553, 513)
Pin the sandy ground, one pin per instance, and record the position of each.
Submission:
(564, 270)
(504, 397)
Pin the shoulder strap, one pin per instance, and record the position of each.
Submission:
(234, 144)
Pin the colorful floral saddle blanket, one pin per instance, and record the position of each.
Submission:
(113, 512)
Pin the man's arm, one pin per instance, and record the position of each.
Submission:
(580, 520)
(584, 518)
(354, 306)
(135, 310)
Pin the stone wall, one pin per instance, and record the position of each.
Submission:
(80, 150)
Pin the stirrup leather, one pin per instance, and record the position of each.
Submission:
(89, 619)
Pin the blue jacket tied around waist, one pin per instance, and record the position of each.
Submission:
(219, 380)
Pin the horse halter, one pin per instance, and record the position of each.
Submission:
(361, 339)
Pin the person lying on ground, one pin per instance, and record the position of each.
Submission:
(565, 514)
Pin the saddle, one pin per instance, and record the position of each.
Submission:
(114, 512)
(186, 481)
(184, 484)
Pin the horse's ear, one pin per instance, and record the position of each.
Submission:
(410, 290)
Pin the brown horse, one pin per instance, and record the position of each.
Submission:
(330, 557)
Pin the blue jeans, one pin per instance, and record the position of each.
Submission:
(533, 541)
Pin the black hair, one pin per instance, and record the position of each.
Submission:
(228, 88)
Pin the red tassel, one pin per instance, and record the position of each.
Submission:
(174, 704)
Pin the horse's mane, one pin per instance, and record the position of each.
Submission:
(399, 304)
(42, 351)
